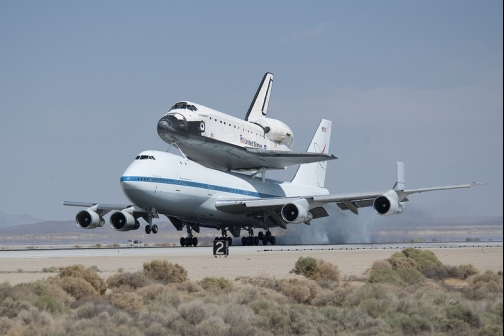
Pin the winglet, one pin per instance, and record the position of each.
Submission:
(400, 185)
(259, 106)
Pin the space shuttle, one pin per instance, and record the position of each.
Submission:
(220, 141)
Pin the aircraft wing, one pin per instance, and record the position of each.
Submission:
(100, 206)
(103, 208)
(272, 206)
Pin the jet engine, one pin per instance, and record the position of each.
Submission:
(88, 219)
(276, 131)
(123, 221)
(387, 204)
(296, 212)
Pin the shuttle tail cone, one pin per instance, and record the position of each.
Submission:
(313, 174)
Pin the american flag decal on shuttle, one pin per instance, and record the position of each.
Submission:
(324, 129)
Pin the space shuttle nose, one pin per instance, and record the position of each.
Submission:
(163, 127)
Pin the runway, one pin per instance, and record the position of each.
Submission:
(68, 251)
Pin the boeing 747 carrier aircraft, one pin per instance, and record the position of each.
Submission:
(218, 140)
(194, 196)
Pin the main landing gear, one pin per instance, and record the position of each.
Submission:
(190, 240)
(261, 236)
(224, 237)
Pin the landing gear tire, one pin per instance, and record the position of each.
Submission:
(154, 229)
(272, 240)
(260, 235)
(256, 241)
(194, 241)
(148, 229)
(230, 241)
(182, 241)
(244, 241)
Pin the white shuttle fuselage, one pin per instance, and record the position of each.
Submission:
(218, 140)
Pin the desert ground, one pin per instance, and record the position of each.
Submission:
(274, 264)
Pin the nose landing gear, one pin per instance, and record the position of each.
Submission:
(224, 236)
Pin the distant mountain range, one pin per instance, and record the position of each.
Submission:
(7, 220)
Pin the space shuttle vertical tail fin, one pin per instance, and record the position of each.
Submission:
(259, 106)
(313, 174)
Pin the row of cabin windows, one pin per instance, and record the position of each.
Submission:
(145, 157)
(243, 129)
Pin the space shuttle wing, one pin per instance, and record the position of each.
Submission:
(280, 159)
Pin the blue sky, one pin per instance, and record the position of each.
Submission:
(83, 84)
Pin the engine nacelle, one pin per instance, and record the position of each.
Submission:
(88, 219)
(276, 131)
(296, 212)
(387, 204)
(123, 221)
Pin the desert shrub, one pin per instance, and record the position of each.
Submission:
(401, 261)
(301, 291)
(326, 271)
(422, 257)
(52, 269)
(385, 275)
(490, 330)
(377, 291)
(193, 311)
(189, 287)
(381, 264)
(244, 295)
(412, 324)
(77, 287)
(262, 306)
(132, 280)
(335, 297)
(11, 308)
(488, 276)
(5, 325)
(463, 313)
(48, 303)
(32, 316)
(374, 308)
(90, 310)
(87, 274)
(409, 275)
(127, 301)
(305, 266)
(213, 326)
(498, 309)
(163, 271)
(210, 283)
(44, 287)
(316, 269)
(435, 272)
(469, 270)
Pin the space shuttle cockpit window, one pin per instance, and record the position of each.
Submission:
(184, 106)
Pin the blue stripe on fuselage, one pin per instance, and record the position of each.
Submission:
(195, 185)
